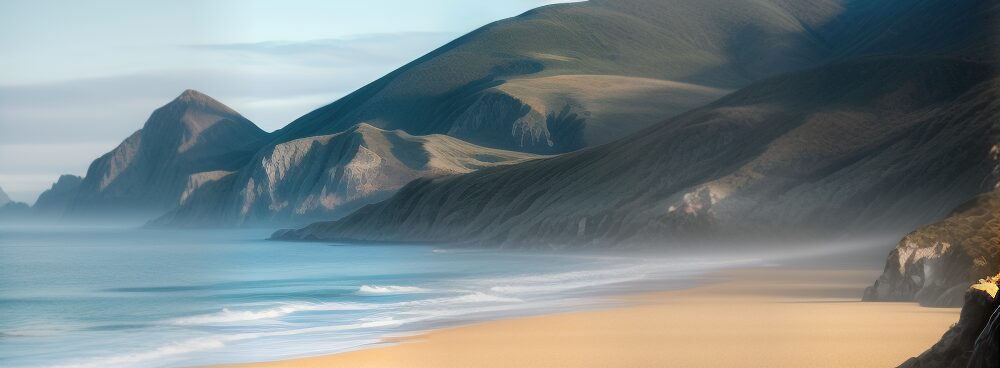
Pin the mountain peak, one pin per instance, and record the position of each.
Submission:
(190, 95)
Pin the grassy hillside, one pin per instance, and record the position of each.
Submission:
(715, 44)
(720, 44)
(865, 146)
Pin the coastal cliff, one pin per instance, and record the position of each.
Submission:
(973, 342)
(935, 264)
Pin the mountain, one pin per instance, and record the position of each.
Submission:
(860, 147)
(148, 172)
(567, 76)
(324, 177)
(935, 264)
(15, 211)
(552, 80)
(4, 199)
(55, 200)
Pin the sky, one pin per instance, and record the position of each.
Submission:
(78, 77)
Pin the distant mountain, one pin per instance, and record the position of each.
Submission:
(325, 177)
(148, 172)
(4, 199)
(883, 144)
(553, 80)
(15, 211)
(55, 200)
(935, 264)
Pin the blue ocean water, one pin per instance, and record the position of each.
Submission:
(103, 297)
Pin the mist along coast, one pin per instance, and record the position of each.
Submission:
(106, 296)
(695, 183)
(195, 298)
(761, 317)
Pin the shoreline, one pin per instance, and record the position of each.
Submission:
(775, 316)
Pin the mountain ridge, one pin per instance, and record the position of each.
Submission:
(747, 143)
(146, 172)
(326, 176)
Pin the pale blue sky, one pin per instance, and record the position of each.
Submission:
(76, 77)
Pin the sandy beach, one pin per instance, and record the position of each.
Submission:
(771, 317)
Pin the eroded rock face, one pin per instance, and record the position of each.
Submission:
(986, 351)
(933, 265)
(148, 173)
(326, 177)
(969, 343)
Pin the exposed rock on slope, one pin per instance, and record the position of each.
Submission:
(876, 145)
(935, 264)
(55, 200)
(325, 177)
(148, 172)
(568, 112)
(972, 342)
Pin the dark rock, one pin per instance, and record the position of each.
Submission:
(955, 349)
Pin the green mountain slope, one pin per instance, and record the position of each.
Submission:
(857, 147)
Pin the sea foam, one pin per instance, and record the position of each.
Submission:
(390, 289)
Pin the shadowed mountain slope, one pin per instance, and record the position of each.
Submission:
(148, 172)
(681, 48)
(55, 200)
(325, 177)
(529, 83)
(873, 145)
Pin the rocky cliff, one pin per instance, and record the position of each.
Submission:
(148, 172)
(935, 264)
(973, 342)
(325, 177)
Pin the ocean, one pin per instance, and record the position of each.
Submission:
(110, 297)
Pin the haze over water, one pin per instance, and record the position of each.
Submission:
(96, 297)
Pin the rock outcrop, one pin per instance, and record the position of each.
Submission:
(147, 174)
(935, 264)
(325, 177)
(973, 342)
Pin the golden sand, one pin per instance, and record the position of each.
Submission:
(750, 318)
